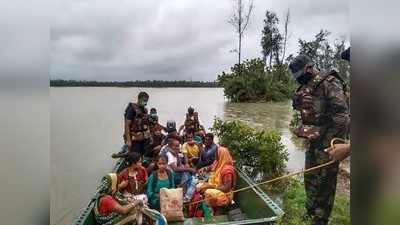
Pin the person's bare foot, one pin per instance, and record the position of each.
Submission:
(120, 154)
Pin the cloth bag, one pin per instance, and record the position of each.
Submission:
(171, 204)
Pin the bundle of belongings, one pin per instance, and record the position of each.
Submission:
(171, 204)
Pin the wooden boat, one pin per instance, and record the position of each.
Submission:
(254, 203)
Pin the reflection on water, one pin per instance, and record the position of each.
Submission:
(263, 115)
(269, 116)
(86, 125)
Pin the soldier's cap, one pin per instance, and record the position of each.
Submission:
(297, 65)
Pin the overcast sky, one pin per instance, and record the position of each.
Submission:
(172, 39)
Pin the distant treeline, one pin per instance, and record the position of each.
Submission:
(147, 83)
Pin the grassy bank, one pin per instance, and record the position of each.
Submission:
(293, 204)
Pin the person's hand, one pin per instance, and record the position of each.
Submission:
(129, 144)
(205, 186)
(307, 101)
(192, 170)
(201, 189)
(123, 184)
(202, 170)
(339, 152)
(157, 148)
(139, 203)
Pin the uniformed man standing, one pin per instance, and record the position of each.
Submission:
(323, 105)
(192, 123)
(136, 127)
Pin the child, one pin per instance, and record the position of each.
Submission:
(190, 147)
(161, 178)
(132, 180)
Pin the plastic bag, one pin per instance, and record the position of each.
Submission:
(171, 204)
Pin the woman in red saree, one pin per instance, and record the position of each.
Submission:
(221, 182)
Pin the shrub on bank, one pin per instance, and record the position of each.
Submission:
(251, 81)
(260, 152)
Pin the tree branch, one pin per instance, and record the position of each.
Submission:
(247, 18)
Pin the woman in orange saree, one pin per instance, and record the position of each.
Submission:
(221, 182)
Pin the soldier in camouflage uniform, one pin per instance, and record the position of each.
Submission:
(323, 105)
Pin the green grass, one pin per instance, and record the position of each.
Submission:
(293, 205)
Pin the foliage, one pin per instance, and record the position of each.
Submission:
(250, 82)
(326, 56)
(295, 121)
(271, 40)
(293, 204)
(148, 83)
(260, 152)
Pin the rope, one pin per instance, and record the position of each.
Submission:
(284, 176)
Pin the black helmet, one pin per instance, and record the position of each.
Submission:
(190, 110)
(171, 126)
(153, 111)
(153, 118)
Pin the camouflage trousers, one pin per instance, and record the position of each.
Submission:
(320, 186)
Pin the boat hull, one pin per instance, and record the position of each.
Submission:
(254, 203)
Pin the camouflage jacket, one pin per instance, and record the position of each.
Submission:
(324, 109)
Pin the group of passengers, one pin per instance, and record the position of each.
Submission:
(164, 157)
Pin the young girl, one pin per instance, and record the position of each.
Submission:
(132, 180)
(161, 178)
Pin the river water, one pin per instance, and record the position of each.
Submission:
(86, 126)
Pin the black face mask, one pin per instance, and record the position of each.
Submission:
(303, 79)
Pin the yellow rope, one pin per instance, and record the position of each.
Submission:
(284, 176)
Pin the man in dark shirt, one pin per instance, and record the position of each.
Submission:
(136, 127)
(208, 154)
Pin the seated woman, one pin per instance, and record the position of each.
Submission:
(132, 180)
(221, 182)
(162, 177)
(111, 207)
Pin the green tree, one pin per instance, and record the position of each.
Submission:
(271, 40)
(324, 54)
(251, 82)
